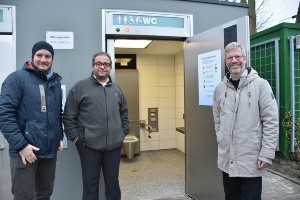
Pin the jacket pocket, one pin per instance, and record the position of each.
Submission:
(28, 134)
(34, 137)
(256, 141)
(223, 144)
(81, 132)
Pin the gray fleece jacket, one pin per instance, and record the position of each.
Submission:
(246, 124)
(96, 114)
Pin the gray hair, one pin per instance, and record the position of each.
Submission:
(235, 45)
(100, 54)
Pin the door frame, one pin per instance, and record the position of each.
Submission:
(13, 39)
(164, 33)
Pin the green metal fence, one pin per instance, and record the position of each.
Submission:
(265, 60)
(272, 48)
(297, 79)
(295, 90)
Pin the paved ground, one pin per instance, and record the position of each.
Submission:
(277, 188)
(274, 188)
(139, 178)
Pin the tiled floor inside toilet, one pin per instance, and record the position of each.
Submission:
(153, 175)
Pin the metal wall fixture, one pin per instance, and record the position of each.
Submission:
(147, 127)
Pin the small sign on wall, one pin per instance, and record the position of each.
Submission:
(60, 40)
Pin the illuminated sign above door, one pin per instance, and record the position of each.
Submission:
(145, 23)
(155, 21)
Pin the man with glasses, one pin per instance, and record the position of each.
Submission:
(96, 120)
(246, 123)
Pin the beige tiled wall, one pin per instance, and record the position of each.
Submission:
(158, 87)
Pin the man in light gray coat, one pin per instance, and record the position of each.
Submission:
(247, 127)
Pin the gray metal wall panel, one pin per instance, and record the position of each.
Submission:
(202, 173)
(84, 18)
(35, 17)
(128, 79)
(5, 180)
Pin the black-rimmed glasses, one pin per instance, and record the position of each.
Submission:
(100, 64)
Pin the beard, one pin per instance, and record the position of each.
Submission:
(101, 76)
(237, 71)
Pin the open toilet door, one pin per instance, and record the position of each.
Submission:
(203, 178)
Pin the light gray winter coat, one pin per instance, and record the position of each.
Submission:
(246, 124)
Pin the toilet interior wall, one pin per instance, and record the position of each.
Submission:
(167, 137)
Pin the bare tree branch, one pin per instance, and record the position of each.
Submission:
(263, 14)
(259, 13)
(262, 24)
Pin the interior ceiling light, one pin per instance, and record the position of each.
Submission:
(123, 61)
(132, 43)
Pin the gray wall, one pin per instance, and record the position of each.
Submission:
(84, 18)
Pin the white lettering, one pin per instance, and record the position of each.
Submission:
(154, 21)
(146, 20)
(149, 20)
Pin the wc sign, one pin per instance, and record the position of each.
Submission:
(144, 20)
(147, 23)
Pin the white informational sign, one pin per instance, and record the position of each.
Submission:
(64, 93)
(60, 40)
(209, 76)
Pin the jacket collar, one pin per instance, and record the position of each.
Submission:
(29, 66)
(252, 74)
(93, 77)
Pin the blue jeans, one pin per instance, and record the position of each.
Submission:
(242, 188)
(32, 181)
(91, 163)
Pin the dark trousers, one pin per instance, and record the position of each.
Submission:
(241, 188)
(91, 163)
(32, 181)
